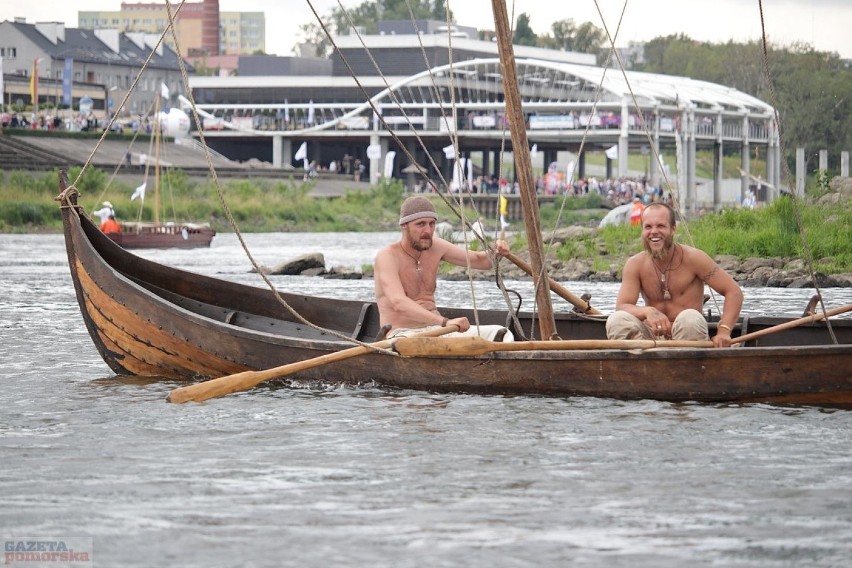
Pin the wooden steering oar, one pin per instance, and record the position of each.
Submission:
(556, 287)
(248, 379)
(793, 323)
(470, 346)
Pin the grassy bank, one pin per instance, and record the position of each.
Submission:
(27, 205)
(744, 233)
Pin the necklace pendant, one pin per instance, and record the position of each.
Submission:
(663, 277)
(666, 295)
(417, 267)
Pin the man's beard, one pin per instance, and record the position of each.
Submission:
(663, 253)
(417, 244)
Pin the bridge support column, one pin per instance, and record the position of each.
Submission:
(624, 139)
(801, 172)
(282, 151)
(375, 170)
(745, 160)
(654, 167)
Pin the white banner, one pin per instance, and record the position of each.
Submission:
(302, 152)
(389, 157)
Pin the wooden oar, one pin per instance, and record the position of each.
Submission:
(792, 323)
(556, 287)
(470, 346)
(248, 379)
(466, 346)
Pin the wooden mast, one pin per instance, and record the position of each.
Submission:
(523, 165)
(157, 162)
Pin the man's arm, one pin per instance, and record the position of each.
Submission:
(721, 282)
(481, 260)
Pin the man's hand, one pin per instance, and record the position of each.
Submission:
(722, 339)
(658, 323)
(501, 247)
(462, 322)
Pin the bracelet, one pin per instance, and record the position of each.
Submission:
(444, 323)
(722, 325)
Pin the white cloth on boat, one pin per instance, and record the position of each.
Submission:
(689, 325)
(489, 332)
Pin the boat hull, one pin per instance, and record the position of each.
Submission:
(153, 320)
(150, 235)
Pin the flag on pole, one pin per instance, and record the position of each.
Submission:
(389, 157)
(302, 152)
(449, 152)
(34, 83)
(140, 193)
(612, 152)
(164, 91)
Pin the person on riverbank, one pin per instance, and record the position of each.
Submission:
(671, 278)
(406, 275)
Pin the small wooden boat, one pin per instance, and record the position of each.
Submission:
(149, 319)
(163, 235)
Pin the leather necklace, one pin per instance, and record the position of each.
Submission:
(664, 282)
(416, 260)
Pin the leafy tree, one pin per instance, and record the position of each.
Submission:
(563, 34)
(811, 88)
(589, 38)
(524, 35)
(367, 15)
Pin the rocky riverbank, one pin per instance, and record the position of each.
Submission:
(749, 272)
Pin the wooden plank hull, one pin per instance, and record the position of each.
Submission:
(151, 235)
(153, 320)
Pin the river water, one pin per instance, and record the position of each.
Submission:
(384, 478)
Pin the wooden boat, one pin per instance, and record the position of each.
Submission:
(163, 235)
(156, 233)
(153, 320)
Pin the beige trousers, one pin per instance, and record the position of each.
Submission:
(489, 332)
(689, 325)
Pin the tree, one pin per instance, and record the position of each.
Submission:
(589, 38)
(810, 88)
(563, 34)
(366, 16)
(524, 35)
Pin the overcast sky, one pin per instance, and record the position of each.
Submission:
(823, 24)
